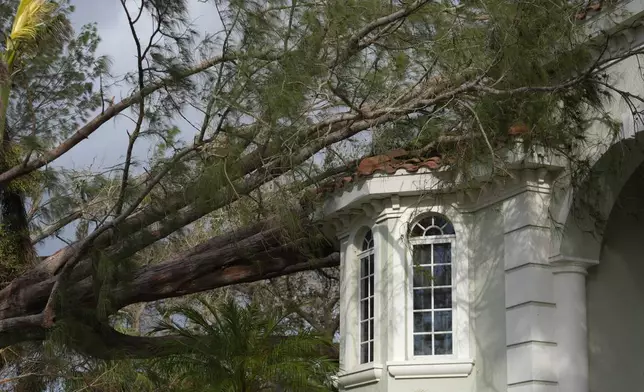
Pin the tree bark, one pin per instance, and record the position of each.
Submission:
(255, 253)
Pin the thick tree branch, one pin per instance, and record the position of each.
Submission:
(51, 229)
(111, 112)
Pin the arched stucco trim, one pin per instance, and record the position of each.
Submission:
(415, 213)
(580, 215)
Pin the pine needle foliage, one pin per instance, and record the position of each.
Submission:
(292, 93)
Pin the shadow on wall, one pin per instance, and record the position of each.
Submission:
(615, 290)
(488, 299)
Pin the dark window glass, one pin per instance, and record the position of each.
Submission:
(443, 298)
(423, 322)
(443, 343)
(422, 344)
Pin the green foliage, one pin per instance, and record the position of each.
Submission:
(11, 263)
(227, 347)
(242, 349)
(305, 93)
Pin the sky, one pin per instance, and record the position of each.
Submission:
(107, 146)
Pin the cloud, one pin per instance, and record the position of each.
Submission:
(107, 146)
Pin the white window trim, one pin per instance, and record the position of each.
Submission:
(460, 362)
(362, 254)
(436, 239)
(358, 374)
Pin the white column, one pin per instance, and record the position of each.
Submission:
(571, 330)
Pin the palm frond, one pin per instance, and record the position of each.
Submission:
(231, 343)
(32, 16)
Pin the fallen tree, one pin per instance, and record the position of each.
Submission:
(290, 85)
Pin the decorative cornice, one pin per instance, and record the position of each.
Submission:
(376, 193)
(362, 376)
(416, 369)
(388, 213)
(569, 264)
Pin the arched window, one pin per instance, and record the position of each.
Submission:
(432, 239)
(366, 296)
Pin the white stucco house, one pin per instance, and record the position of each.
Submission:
(518, 283)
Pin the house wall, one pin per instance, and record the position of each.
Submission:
(488, 299)
(484, 243)
(616, 297)
(480, 240)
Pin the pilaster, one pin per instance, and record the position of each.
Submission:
(394, 280)
(529, 299)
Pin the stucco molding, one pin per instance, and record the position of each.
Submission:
(363, 375)
(449, 368)
(568, 264)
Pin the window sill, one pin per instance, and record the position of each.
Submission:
(401, 370)
(362, 375)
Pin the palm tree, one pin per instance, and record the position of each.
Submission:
(34, 19)
(235, 348)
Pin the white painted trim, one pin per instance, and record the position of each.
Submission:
(460, 287)
(362, 375)
(567, 264)
(442, 368)
(358, 261)
(350, 293)
(386, 214)
(378, 189)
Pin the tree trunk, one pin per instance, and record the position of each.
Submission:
(221, 261)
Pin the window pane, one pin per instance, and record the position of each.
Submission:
(371, 329)
(423, 322)
(364, 328)
(371, 285)
(449, 229)
(422, 254)
(433, 231)
(371, 313)
(422, 277)
(364, 288)
(443, 343)
(442, 253)
(442, 298)
(371, 261)
(364, 309)
(422, 344)
(370, 351)
(364, 267)
(417, 230)
(367, 242)
(364, 353)
(422, 298)
(443, 321)
(439, 221)
(442, 275)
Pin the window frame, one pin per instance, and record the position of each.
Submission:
(460, 291)
(371, 342)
